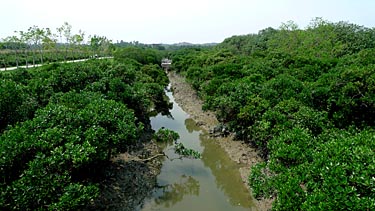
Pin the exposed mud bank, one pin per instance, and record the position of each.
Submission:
(238, 151)
(129, 179)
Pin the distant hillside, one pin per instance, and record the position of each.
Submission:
(163, 46)
(192, 44)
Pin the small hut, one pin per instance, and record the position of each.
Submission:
(166, 63)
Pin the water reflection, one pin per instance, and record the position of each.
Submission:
(174, 193)
(222, 167)
(210, 183)
(227, 176)
(191, 125)
(163, 106)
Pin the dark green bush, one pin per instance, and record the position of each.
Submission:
(296, 95)
(63, 139)
(16, 103)
(85, 113)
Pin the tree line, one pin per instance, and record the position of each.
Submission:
(305, 99)
(42, 45)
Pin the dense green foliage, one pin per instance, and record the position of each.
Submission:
(166, 135)
(306, 100)
(61, 123)
(141, 55)
(170, 136)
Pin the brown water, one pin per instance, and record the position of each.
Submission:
(210, 183)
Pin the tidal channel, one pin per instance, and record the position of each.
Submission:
(212, 183)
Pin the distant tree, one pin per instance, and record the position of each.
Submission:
(289, 26)
(36, 36)
(59, 34)
(14, 43)
(49, 42)
(25, 37)
(77, 41)
(99, 44)
(94, 44)
(65, 30)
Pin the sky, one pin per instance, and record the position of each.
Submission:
(174, 21)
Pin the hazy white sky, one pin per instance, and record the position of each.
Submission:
(172, 21)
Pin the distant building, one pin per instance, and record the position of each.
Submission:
(166, 63)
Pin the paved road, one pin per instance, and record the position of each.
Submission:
(38, 65)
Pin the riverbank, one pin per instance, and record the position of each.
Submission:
(238, 151)
(129, 179)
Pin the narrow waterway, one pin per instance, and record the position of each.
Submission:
(210, 183)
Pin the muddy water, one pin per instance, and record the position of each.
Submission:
(210, 183)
